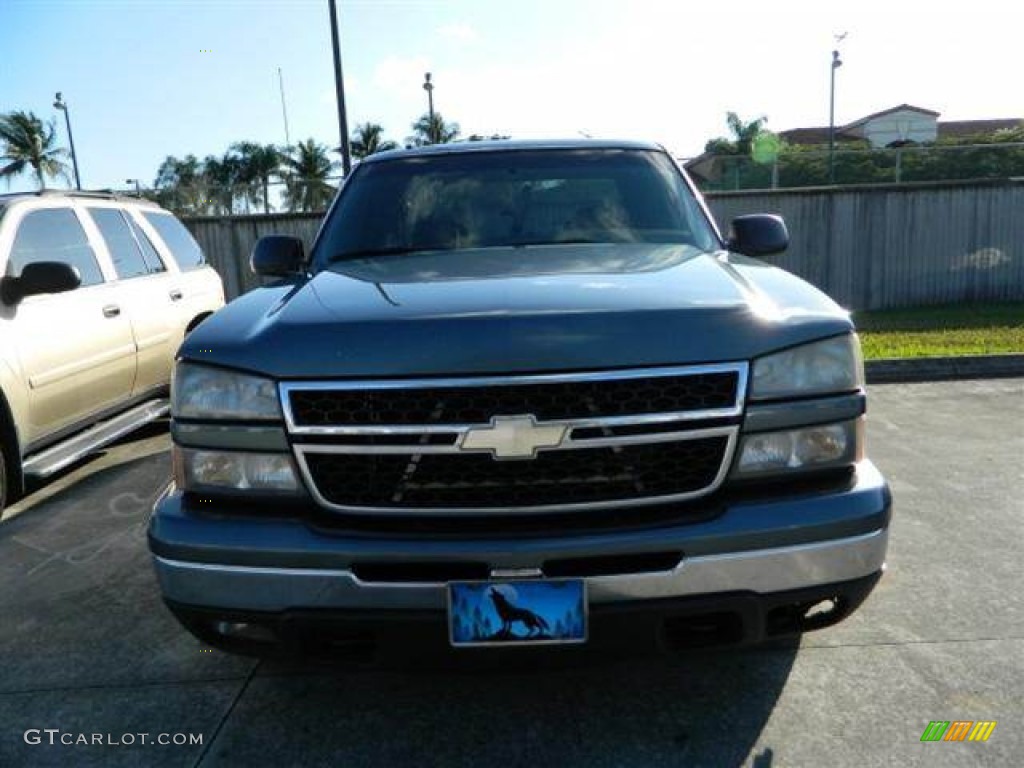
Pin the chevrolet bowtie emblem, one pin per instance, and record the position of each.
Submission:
(514, 437)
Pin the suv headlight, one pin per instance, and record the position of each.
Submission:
(823, 367)
(201, 392)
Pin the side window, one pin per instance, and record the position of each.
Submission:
(179, 240)
(153, 260)
(54, 234)
(124, 251)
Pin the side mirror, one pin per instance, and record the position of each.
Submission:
(277, 256)
(759, 234)
(40, 277)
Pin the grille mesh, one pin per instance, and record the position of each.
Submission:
(477, 404)
(418, 481)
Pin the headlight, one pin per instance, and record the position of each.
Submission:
(833, 365)
(820, 447)
(202, 470)
(199, 392)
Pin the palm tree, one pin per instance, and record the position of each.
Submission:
(366, 140)
(433, 131)
(179, 185)
(257, 163)
(743, 135)
(307, 168)
(29, 143)
(221, 177)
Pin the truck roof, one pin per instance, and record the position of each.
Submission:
(509, 145)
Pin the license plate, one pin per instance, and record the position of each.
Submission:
(517, 612)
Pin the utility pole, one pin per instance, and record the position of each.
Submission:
(836, 64)
(429, 88)
(62, 105)
(339, 86)
(284, 108)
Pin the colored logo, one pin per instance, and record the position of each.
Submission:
(958, 730)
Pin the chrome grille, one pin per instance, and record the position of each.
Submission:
(530, 444)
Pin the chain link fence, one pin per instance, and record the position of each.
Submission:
(796, 167)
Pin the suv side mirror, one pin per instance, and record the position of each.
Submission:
(759, 234)
(40, 277)
(277, 256)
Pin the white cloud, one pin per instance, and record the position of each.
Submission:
(460, 33)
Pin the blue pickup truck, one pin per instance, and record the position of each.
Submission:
(520, 394)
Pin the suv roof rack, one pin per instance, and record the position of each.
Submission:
(94, 194)
(105, 194)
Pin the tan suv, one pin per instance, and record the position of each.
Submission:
(97, 293)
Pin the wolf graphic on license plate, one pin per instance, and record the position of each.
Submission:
(517, 612)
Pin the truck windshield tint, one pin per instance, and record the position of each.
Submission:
(514, 198)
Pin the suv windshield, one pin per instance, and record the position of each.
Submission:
(513, 198)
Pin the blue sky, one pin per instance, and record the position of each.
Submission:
(149, 78)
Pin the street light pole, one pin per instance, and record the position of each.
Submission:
(62, 105)
(429, 88)
(284, 108)
(836, 64)
(339, 86)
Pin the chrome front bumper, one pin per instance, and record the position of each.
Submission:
(763, 571)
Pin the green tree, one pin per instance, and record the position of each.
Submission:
(433, 131)
(222, 179)
(28, 143)
(179, 185)
(367, 139)
(307, 170)
(256, 164)
(743, 135)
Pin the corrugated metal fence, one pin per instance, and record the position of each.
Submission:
(867, 247)
(897, 246)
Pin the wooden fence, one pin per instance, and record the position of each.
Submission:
(867, 247)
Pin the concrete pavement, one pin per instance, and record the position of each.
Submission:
(88, 648)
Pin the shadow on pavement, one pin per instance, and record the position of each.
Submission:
(90, 647)
(706, 708)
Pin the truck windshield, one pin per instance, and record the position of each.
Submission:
(512, 198)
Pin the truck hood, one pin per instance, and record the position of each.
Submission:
(508, 310)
